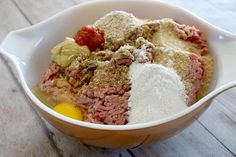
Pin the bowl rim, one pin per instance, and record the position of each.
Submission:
(127, 126)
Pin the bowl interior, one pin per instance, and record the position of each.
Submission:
(52, 31)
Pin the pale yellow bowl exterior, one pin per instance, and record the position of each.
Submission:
(126, 138)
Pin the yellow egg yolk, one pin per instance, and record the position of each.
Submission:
(69, 110)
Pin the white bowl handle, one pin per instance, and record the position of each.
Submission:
(19, 43)
(226, 61)
(16, 48)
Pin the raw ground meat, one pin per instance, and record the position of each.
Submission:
(52, 72)
(193, 35)
(107, 105)
(59, 89)
(196, 77)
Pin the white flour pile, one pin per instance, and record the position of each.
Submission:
(156, 92)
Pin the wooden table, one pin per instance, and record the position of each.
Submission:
(24, 133)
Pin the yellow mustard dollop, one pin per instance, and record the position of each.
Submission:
(65, 52)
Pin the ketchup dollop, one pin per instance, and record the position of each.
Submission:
(90, 36)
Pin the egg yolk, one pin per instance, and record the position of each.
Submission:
(69, 110)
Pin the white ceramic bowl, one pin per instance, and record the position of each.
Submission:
(27, 51)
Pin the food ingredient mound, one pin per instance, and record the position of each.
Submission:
(125, 70)
(156, 92)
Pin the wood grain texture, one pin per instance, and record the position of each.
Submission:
(37, 11)
(26, 136)
(69, 146)
(216, 12)
(195, 141)
(82, 1)
(11, 18)
(220, 119)
(22, 133)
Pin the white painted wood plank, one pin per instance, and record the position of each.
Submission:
(82, 1)
(67, 145)
(22, 133)
(11, 18)
(217, 12)
(194, 141)
(220, 119)
(37, 11)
